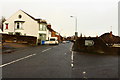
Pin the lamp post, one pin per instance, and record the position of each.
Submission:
(76, 33)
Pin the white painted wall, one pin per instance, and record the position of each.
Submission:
(30, 26)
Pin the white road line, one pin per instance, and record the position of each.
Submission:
(72, 65)
(72, 56)
(17, 60)
(71, 47)
(46, 49)
(72, 60)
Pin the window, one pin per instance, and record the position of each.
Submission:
(19, 16)
(52, 39)
(40, 34)
(18, 25)
(6, 26)
(42, 27)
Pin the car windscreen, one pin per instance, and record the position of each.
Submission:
(52, 39)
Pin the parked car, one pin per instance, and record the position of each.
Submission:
(64, 42)
(67, 41)
(53, 40)
(47, 42)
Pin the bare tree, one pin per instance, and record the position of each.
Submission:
(2, 20)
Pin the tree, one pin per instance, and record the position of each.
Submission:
(2, 20)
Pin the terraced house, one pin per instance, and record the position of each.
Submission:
(21, 23)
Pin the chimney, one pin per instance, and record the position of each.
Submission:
(110, 33)
(49, 25)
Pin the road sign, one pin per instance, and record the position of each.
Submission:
(89, 42)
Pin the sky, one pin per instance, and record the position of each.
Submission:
(94, 17)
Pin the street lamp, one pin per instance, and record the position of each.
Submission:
(76, 34)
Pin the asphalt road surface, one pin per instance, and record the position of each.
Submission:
(57, 61)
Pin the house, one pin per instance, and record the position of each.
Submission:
(21, 23)
(110, 39)
(54, 33)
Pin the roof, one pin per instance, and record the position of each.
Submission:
(39, 20)
(110, 38)
(50, 29)
(31, 16)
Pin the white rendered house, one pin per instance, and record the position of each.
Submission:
(22, 23)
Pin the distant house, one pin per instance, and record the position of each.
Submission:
(110, 39)
(54, 33)
(21, 23)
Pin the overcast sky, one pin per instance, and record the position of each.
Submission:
(94, 17)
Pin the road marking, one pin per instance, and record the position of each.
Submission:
(84, 72)
(72, 65)
(72, 60)
(71, 47)
(17, 60)
(46, 49)
(72, 56)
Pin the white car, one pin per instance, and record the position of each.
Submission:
(64, 42)
(46, 42)
(53, 40)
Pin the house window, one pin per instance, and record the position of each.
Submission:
(6, 26)
(18, 25)
(19, 16)
(42, 27)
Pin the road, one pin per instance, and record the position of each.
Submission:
(57, 61)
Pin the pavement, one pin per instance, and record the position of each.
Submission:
(58, 61)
